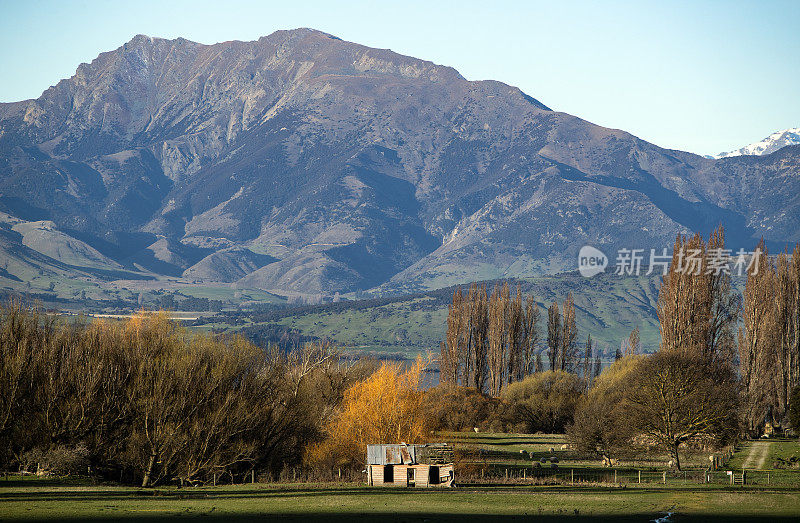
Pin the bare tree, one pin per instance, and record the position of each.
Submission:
(450, 362)
(531, 335)
(568, 355)
(498, 305)
(515, 336)
(587, 361)
(480, 331)
(634, 342)
(553, 335)
(677, 396)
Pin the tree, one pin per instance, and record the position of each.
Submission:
(489, 339)
(568, 355)
(545, 401)
(726, 305)
(498, 348)
(539, 364)
(515, 338)
(757, 341)
(601, 425)
(553, 335)
(697, 309)
(386, 407)
(787, 316)
(450, 362)
(598, 366)
(769, 341)
(586, 367)
(531, 337)
(459, 408)
(677, 396)
(479, 330)
(151, 401)
(794, 409)
(634, 345)
(683, 301)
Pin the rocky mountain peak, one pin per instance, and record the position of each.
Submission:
(768, 145)
(303, 163)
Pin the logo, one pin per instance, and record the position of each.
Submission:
(591, 261)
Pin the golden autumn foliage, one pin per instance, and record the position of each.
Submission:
(386, 407)
(146, 400)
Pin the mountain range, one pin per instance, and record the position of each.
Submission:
(770, 144)
(304, 165)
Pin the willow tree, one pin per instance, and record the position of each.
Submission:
(386, 407)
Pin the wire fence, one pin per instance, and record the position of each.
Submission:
(477, 473)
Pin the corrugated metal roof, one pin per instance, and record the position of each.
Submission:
(400, 454)
(392, 454)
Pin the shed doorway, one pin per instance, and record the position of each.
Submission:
(433, 477)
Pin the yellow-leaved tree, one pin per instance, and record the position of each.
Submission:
(386, 407)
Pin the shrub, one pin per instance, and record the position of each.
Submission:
(457, 408)
(600, 426)
(545, 401)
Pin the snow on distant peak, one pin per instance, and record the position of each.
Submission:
(770, 144)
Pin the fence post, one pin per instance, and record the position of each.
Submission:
(767, 478)
(665, 477)
(615, 475)
(572, 476)
(253, 476)
(640, 476)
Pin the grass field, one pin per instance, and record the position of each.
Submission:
(35, 499)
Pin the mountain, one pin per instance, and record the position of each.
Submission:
(304, 165)
(768, 145)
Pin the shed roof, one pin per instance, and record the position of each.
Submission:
(404, 454)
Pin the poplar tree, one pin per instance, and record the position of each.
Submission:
(569, 337)
(553, 335)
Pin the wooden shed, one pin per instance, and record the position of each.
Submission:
(402, 465)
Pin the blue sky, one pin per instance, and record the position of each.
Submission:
(698, 76)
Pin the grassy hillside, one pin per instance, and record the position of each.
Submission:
(608, 307)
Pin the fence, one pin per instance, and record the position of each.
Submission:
(477, 473)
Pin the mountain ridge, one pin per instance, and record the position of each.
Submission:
(303, 164)
(768, 145)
